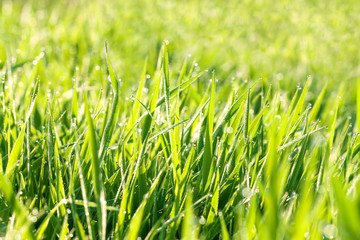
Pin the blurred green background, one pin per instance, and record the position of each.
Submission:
(281, 41)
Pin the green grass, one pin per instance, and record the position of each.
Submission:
(111, 130)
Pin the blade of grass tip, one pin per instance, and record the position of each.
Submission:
(230, 112)
(246, 117)
(315, 110)
(246, 128)
(180, 88)
(28, 125)
(152, 106)
(106, 137)
(105, 117)
(74, 107)
(134, 115)
(95, 163)
(50, 148)
(286, 121)
(16, 150)
(332, 130)
(208, 152)
(255, 123)
(300, 104)
(166, 84)
(135, 111)
(182, 72)
(9, 75)
(235, 124)
(326, 158)
(173, 92)
(173, 144)
(177, 107)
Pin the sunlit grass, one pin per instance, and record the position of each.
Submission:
(140, 140)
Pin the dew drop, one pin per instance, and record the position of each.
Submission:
(202, 220)
(229, 130)
(330, 231)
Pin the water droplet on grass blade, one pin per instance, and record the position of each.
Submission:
(202, 220)
(229, 129)
(330, 231)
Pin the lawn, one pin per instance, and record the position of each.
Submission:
(179, 119)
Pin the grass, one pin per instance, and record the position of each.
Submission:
(258, 139)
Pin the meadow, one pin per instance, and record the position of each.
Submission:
(179, 119)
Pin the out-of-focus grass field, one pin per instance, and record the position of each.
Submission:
(197, 120)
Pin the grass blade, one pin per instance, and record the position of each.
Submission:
(95, 167)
